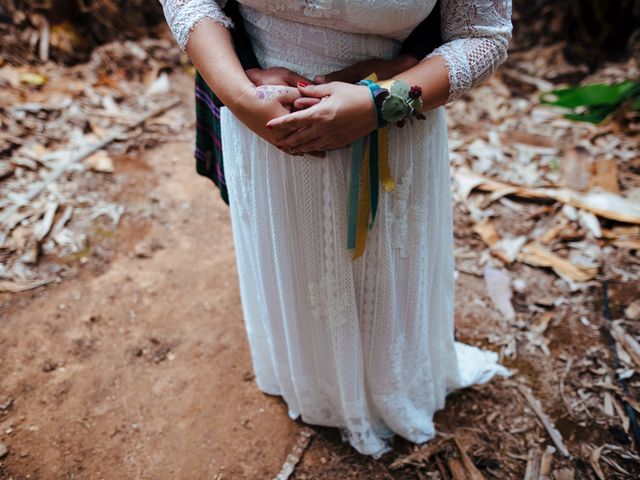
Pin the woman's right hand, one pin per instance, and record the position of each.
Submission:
(265, 102)
(256, 106)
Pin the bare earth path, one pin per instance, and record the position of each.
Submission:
(143, 371)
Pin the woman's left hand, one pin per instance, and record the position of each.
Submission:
(344, 113)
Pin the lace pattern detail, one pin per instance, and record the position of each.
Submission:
(183, 16)
(399, 213)
(320, 8)
(477, 35)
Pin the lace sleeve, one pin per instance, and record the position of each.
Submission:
(476, 35)
(184, 15)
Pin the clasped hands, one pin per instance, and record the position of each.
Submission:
(304, 117)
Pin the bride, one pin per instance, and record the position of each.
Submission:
(365, 344)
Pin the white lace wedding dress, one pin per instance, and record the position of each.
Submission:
(365, 345)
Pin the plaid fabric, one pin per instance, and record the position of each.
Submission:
(208, 142)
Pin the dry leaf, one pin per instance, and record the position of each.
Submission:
(630, 345)
(537, 255)
(593, 460)
(498, 286)
(604, 204)
(575, 169)
(100, 162)
(21, 286)
(632, 312)
(590, 222)
(34, 79)
(605, 175)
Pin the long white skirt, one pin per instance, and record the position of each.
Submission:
(366, 346)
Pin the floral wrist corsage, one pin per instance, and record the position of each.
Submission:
(395, 101)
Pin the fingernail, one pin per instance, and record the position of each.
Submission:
(303, 84)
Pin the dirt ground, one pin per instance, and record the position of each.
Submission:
(140, 368)
(136, 366)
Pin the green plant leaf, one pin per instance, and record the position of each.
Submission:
(591, 95)
(593, 115)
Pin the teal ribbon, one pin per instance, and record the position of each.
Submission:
(374, 181)
(374, 176)
(354, 191)
(373, 89)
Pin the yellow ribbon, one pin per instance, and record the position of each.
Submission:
(385, 169)
(364, 205)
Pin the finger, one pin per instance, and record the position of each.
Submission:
(299, 119)
(287, 95)
(302, 136)
(283, 94)
(255, 76)
(315, 145)
(293, 79)
(280, 135)
(348, 74)
(305, 102)
(288, 151)
(316, 91)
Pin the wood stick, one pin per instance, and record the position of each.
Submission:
(532, 471)
(564, 474)
(444, 473)
(426, 452)
(548, 424)
(474, 473)
(457, 469)
(546, 463)
(627, 342)
(296, 454)
(593, 460)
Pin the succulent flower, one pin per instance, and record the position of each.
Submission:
(415, 92)
(399, 88)
(394, 108)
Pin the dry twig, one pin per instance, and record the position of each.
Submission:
(418, 457)
(548, 424)
(546, 463)
(296, 454)
(474, 473)
(532, 471)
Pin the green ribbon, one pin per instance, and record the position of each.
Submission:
(357, 151)
(373, 174)
(354, 191)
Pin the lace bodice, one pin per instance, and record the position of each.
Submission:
(476, 32)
